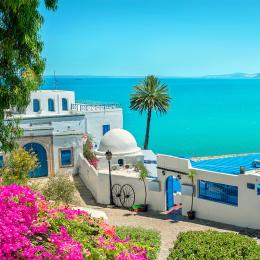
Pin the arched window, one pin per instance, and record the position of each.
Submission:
(36, 105)
(51, 105)
(64, 104)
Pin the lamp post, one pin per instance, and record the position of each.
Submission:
(109, 157)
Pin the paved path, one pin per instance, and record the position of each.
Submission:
(169, 225)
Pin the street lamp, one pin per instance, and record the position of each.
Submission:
(109, 157)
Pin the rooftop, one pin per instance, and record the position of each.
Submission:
(228, 165)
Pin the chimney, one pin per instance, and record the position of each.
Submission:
(242, 170)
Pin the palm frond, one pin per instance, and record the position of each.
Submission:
(150, 95)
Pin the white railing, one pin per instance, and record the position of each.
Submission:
(93, 108)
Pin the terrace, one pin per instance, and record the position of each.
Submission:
(87, 107)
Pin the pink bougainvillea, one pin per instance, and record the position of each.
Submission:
(30, 228)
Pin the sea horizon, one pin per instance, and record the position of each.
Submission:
(208, 116)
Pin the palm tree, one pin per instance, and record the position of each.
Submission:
(150, 95)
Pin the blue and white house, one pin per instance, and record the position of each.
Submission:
(54, 125)
(227, 188)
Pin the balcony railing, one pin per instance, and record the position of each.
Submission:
(93, 107)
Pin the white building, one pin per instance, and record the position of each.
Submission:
(54, 126)
(227, 189)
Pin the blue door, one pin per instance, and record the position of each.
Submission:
(173, 185)
(38, 149)
(169, 192)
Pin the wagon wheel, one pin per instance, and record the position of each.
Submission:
(127, 196)
(116, 195)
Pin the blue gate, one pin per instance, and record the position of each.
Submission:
(38, 149)
(172, 185)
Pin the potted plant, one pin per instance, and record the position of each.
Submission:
(143, 174)
(191, 214)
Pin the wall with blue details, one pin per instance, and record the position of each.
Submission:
(40, 152)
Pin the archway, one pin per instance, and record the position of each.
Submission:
(173, 187)
(39, 150)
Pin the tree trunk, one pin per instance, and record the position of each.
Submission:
(192, 194)
(146, 141)
(145, 192)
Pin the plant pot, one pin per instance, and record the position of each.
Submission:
(191, 215)
(140, 208)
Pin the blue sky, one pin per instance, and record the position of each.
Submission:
(140, 37)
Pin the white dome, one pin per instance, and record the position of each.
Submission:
(118, 141)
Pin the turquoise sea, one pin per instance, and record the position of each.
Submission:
(207, 116)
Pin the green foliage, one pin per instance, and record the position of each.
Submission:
(59, 189)
(214, 245)
(89, 153)
(17, 167)
(149, 239)
(192, 175)
(143, 174)
(150, 95)
(21, 66)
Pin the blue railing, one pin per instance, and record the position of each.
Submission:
(93, 107)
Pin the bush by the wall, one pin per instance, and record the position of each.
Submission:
(89, 153)
(59, 189)
(214, 245)
(17, 166)
(149, 239)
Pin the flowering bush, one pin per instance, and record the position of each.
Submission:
(88, 152)
(32, 228)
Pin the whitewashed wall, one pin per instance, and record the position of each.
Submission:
(73, 141)
(96, 120)
(98, 184)
(60, 124)
(56, 95)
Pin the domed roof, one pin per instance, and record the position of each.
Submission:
(118, 141)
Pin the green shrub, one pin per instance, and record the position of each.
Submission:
(148, 239)
(17, 166)
(59, 189)
(214, 245)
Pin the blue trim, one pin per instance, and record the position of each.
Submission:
(64, 104)
(1, 161)
(250, 186)
(38, 149)
(258, 189)
(51, 107)
(228, 165)
(150, 161)
(169, 192)
(218, 192)
(66, 157)
(36, 105)
(106, 128)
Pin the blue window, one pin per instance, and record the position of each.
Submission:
(1, 161)
(218, 192)
(51, 105)
(106, 128)
(64, 104)
(251, 186)
(120, 162)
(66, 157)
(36, 105)
(258, 189)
